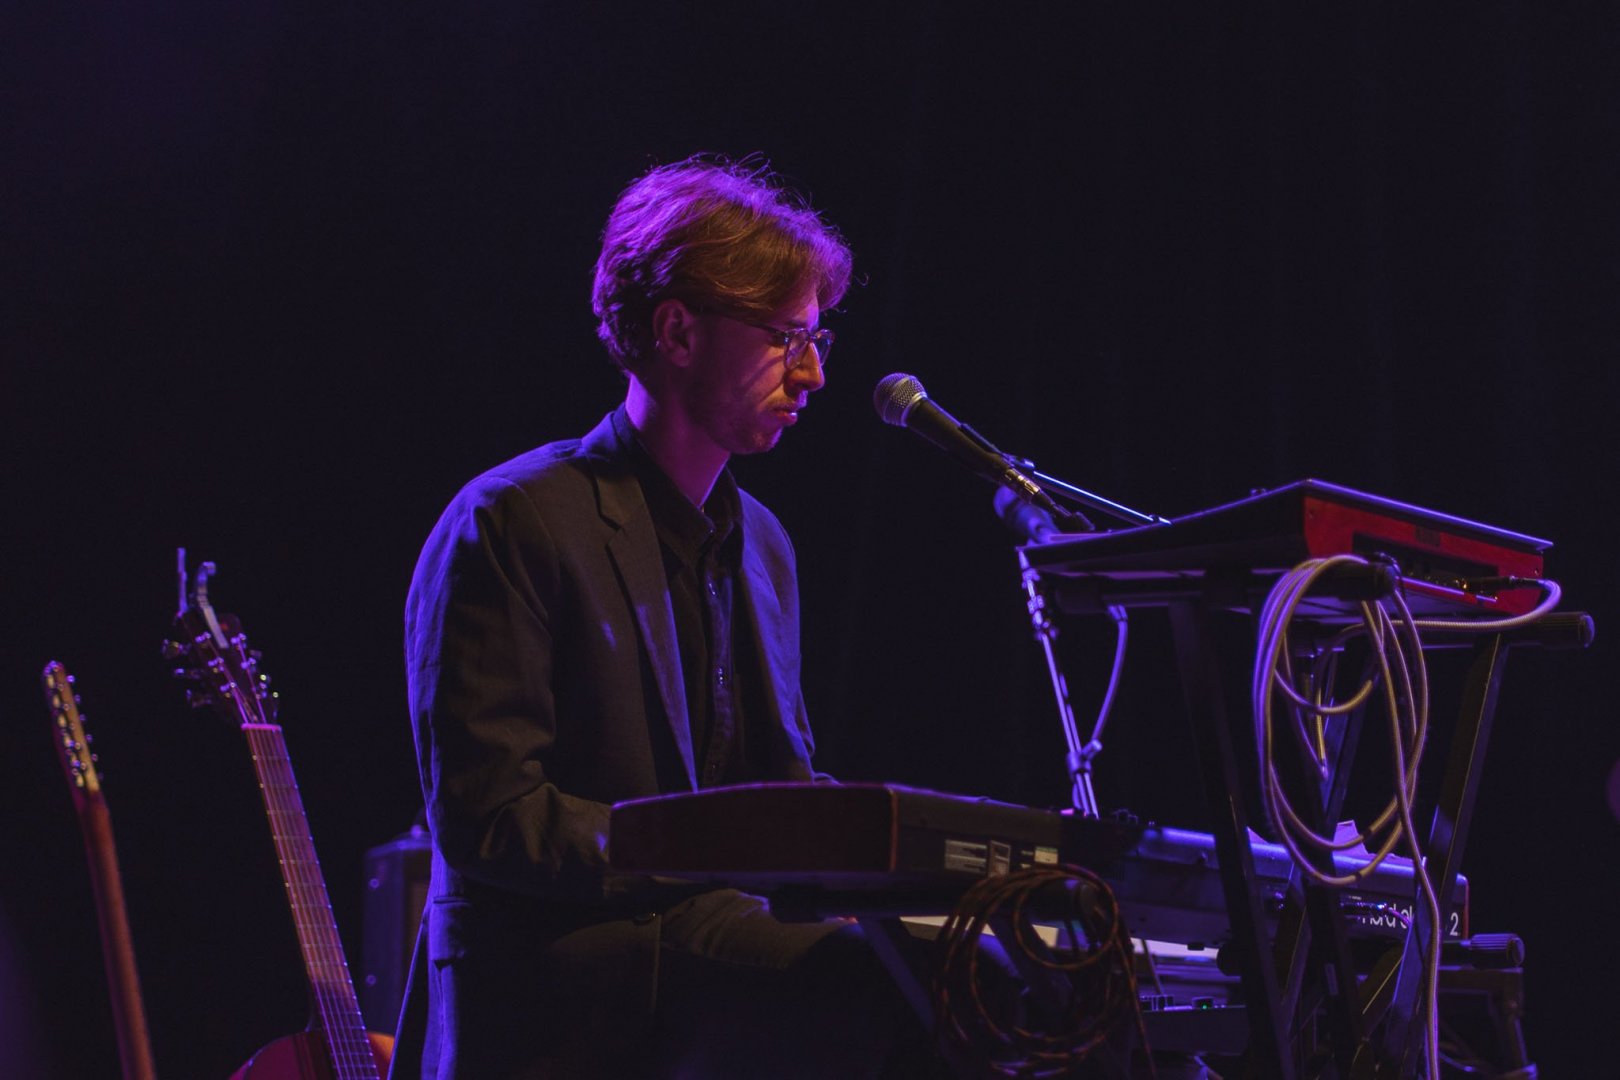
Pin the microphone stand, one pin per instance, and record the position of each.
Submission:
(1081, 755)
(1087, 498)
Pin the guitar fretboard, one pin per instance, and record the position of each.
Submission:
(338, 1010)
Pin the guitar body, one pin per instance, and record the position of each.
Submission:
(304, 1057)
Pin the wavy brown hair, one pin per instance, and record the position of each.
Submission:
(717, 234)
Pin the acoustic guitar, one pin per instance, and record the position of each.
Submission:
(213, 655)
(117, 947)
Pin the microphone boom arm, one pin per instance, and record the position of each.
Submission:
(1085, 498)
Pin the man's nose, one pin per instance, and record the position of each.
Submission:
(807, 372)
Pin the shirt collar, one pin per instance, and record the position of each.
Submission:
(683, 528)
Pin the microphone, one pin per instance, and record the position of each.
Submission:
(901, 400)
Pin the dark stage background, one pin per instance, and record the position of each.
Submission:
(279, 277)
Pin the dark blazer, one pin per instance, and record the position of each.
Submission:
(545, 685)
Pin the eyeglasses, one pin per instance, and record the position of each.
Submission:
(792, 340)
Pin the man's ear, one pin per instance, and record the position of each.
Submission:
(674, 326)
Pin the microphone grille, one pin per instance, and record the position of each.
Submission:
(895, 395)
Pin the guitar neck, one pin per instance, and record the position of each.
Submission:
(118, 950)
(95, 823)
(336, 1007)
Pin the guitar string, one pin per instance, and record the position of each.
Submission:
(330, 975)
(333, 988)
(273, 783)
(343, 1026)
(331, 982)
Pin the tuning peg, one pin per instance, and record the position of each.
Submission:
(173, 650)
(199, 698)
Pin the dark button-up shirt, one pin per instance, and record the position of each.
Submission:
(702, 551)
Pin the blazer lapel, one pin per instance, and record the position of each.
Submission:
(776, 652)
(634, 551)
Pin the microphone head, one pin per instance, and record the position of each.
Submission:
(895, 396)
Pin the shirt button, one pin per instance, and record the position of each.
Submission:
(720, 675)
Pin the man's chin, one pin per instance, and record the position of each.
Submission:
(757, 440)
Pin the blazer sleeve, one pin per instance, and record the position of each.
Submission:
(479, 663)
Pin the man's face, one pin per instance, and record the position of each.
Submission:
(739, 390)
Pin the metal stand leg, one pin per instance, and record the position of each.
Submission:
(1317, 961)
(892, 942)
(1270, 1052)
(889, 939)
(1303, 926)
(1447, 835)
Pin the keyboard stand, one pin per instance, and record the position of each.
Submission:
(1307, 968)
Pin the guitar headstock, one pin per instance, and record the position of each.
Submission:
(213, 655)
(72, 743)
